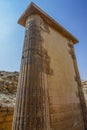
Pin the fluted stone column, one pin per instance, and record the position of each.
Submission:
(32, 105)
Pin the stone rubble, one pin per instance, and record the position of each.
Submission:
(8, 88)
(84, 84)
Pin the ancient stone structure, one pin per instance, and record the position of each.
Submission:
(49, 95)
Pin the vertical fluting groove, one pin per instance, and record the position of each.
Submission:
(30, 90)
(33, 102)
(45, 122)
(21, 104)
(43, 100)
(26, 107)
(19, 98)
(41, 91)
(49, 125)
(31, 74)
(23, 101)
(26, 94)
(35, 93)
(26, 75)
(17, 101)
(21, 92)
(21, 116)
(18, 105)
(36, 99)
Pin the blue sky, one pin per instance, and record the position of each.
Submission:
(71, 14)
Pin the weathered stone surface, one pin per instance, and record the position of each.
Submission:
(49, 95)
(63, 88)
(8, 82)
(6, 109)
(8, 88)
(84, 87)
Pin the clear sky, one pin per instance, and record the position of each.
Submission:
(71, 14)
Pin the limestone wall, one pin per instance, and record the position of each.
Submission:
(64, 102)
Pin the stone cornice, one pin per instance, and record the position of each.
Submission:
(34, 9)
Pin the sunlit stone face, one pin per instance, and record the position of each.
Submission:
(48, 90)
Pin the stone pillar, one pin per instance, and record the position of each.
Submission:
(32, 105)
